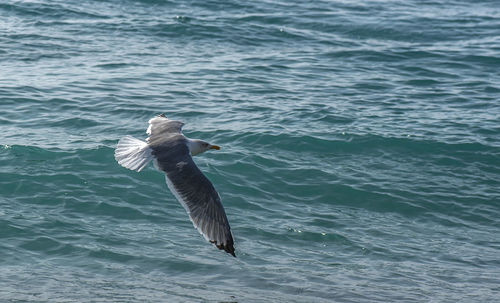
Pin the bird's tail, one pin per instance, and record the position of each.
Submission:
(133, 153)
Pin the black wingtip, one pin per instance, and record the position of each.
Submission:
(229, 248)
(162, 115)
(231, 251)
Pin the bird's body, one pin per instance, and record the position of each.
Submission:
(172, 153)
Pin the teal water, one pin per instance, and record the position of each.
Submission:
(360, 155)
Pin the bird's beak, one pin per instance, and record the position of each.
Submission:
(217, 147)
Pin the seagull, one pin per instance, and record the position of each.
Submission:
(172, 153)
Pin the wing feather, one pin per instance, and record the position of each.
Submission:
(194, 191)
(160, 128)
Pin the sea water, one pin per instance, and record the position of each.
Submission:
(360, 156)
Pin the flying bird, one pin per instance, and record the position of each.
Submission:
(172, 153)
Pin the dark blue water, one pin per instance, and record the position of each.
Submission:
(360, 155)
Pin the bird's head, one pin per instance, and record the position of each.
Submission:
(199, 146)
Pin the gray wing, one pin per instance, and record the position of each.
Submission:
(195, 192)
(161, 127)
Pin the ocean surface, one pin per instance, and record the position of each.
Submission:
(360, 156)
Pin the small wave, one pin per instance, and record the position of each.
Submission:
(115, 65)
(51, 10)
(78, 123)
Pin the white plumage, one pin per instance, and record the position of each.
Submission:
(133, 153)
